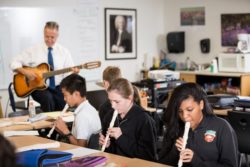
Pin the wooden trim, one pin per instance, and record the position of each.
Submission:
(1, 110)
(244, 85)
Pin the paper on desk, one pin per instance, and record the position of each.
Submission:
(244, 98)
(20, 133)
(53, 114)
(10, 123)
(39, 146)
(5, 123)
(81, 151)
(67, 117)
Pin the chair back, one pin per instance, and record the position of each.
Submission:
(11, 96)
(93, 142)
(97, 97)
(16, 105)
(240, 121)
(18, 113)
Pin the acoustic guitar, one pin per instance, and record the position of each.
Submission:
(24, 87)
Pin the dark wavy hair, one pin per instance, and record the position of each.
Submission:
(7, 153)
(174, 125)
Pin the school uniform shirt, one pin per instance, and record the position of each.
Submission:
(86, 121)
(214, 143)
(38, 54)
(104, 109)
(138, 139)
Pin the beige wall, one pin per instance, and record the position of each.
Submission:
(212, 28)
(154, 19)
(150, 27)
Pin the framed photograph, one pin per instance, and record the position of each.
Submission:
(232, 25)
(193, 16)
(120, 34)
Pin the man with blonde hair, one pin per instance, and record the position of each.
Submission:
(58, 57)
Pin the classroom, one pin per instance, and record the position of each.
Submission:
(167, 44)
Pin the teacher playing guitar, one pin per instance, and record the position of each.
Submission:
(52, 53)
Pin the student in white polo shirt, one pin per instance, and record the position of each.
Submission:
(87, 120)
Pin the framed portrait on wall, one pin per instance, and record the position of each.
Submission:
(120, 34)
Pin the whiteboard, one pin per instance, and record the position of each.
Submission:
(23, 27)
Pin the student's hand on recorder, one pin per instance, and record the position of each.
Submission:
(186, 155)
(115, 132)
(179, 143)
(61, 126)
(102, 140)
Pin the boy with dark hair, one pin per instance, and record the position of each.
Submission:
(86, 120)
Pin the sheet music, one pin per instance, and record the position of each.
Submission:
(67, 117)
(81, 151)
(20, 133)
(10, 123)
(39, 146)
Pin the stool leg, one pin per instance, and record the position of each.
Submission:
(246, 157)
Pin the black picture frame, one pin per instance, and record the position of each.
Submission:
(122, 43)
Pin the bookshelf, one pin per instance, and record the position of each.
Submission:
(221, 82)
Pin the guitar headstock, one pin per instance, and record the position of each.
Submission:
(91, 65)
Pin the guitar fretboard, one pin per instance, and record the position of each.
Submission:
(57, 72)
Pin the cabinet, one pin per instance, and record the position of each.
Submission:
(222, 82)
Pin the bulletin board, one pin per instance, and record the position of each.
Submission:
(23, 27)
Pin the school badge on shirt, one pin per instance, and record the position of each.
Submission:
(209, 136)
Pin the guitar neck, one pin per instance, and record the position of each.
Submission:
(57, 72)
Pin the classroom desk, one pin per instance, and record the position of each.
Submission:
(222, 112)
(219, 112)
(21, 141)
(16, 127)
(35, 125)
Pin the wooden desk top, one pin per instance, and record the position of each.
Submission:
(33, 126)
(21, 141)
(208, 73)
(36, 125)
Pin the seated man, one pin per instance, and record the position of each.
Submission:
(87, 120)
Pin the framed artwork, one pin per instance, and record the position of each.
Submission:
(193, 16)
(120, 34)
(232, 25)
